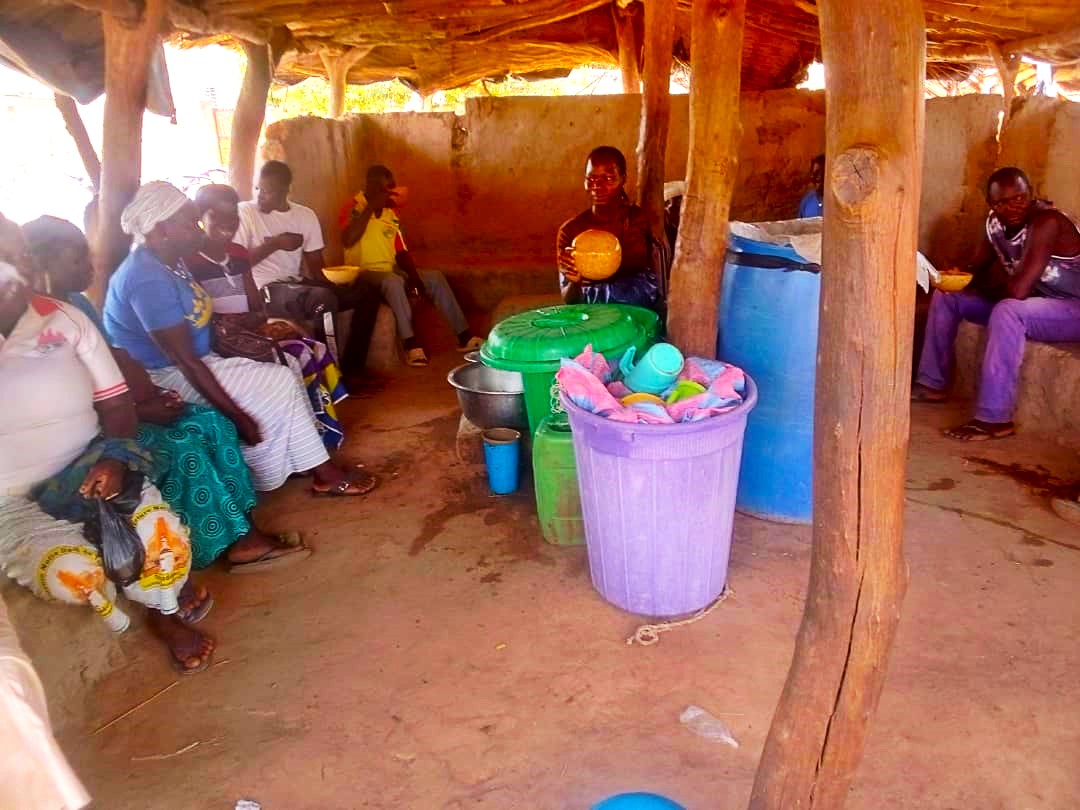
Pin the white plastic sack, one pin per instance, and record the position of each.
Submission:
(804, 237)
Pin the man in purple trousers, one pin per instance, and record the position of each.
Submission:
(1038, 247)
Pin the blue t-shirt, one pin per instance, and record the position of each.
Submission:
(86, 306)
(811, 205)
(144, 296)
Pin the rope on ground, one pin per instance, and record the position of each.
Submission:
(649, 634)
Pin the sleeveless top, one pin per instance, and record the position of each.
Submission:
(1060, 279)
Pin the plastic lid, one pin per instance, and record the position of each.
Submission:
(536, 340)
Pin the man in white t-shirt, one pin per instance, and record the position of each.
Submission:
(285, 243)
(284, 238)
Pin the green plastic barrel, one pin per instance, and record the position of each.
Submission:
(534, 342)
(558, 501)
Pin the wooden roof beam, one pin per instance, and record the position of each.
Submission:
(560, 11)
(557, 12)
(189, 18)
(1029, 46)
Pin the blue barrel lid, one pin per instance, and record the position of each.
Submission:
(740, 244)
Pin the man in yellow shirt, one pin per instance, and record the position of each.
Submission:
(373, 242)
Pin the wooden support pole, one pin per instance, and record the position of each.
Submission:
(655, 111)
(716, 60)
(1007, 67)
(337, 74)
(629, 52)
(69, 111)
(248, 118)
(875, 59)
(129, 46)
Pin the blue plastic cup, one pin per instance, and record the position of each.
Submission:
(502, 454)
(657, 369)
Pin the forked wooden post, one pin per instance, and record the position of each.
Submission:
(248, 118)
(716, 59)
(629, 49)
(1007, 67)
(129, 46)
(875, 66)
(655, 110)
(337, 74)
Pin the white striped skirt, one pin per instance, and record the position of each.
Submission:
(273, 396)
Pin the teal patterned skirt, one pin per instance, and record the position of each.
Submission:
(204, 478)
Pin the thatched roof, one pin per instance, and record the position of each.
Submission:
(433, 44)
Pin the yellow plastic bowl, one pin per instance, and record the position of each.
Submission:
(342, 274)
(639, 397)
(597, 254)
(953, 282)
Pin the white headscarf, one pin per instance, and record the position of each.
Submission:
(154, 203)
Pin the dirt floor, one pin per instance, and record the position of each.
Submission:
(435, 654)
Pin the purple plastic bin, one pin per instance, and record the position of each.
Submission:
(658, 503)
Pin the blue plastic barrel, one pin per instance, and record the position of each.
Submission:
(768, 326)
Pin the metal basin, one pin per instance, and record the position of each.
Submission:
(490, 397)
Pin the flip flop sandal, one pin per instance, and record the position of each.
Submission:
(182, 670)
(273, 558)
(341, 489)
(197, 614)
(926, 396)
(972, 432)
(473, 344)
(416, 358)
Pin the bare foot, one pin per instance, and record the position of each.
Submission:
(257, 545)
(253, 545)
(189, 649)
(923, 393)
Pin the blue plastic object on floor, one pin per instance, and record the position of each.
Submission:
(502, 453)
(768, 326)
(638, 801)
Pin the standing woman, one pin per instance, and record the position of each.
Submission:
(67, 439)
(158, 314)
(201, 471)
(643, 258)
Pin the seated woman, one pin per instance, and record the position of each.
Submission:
(201, 472)
(67, 441)
(637, 281)
(223, 269)
(159, 315)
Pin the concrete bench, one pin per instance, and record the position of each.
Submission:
(1049, 396)
(384, 353)
(515, 304)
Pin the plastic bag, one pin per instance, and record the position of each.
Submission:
(702, 722)
(122, 552)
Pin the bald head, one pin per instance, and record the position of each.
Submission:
(1009, 176)
(61, 255)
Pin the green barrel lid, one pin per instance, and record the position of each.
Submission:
(536, 340)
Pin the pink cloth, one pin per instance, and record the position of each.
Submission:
(588, 381)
